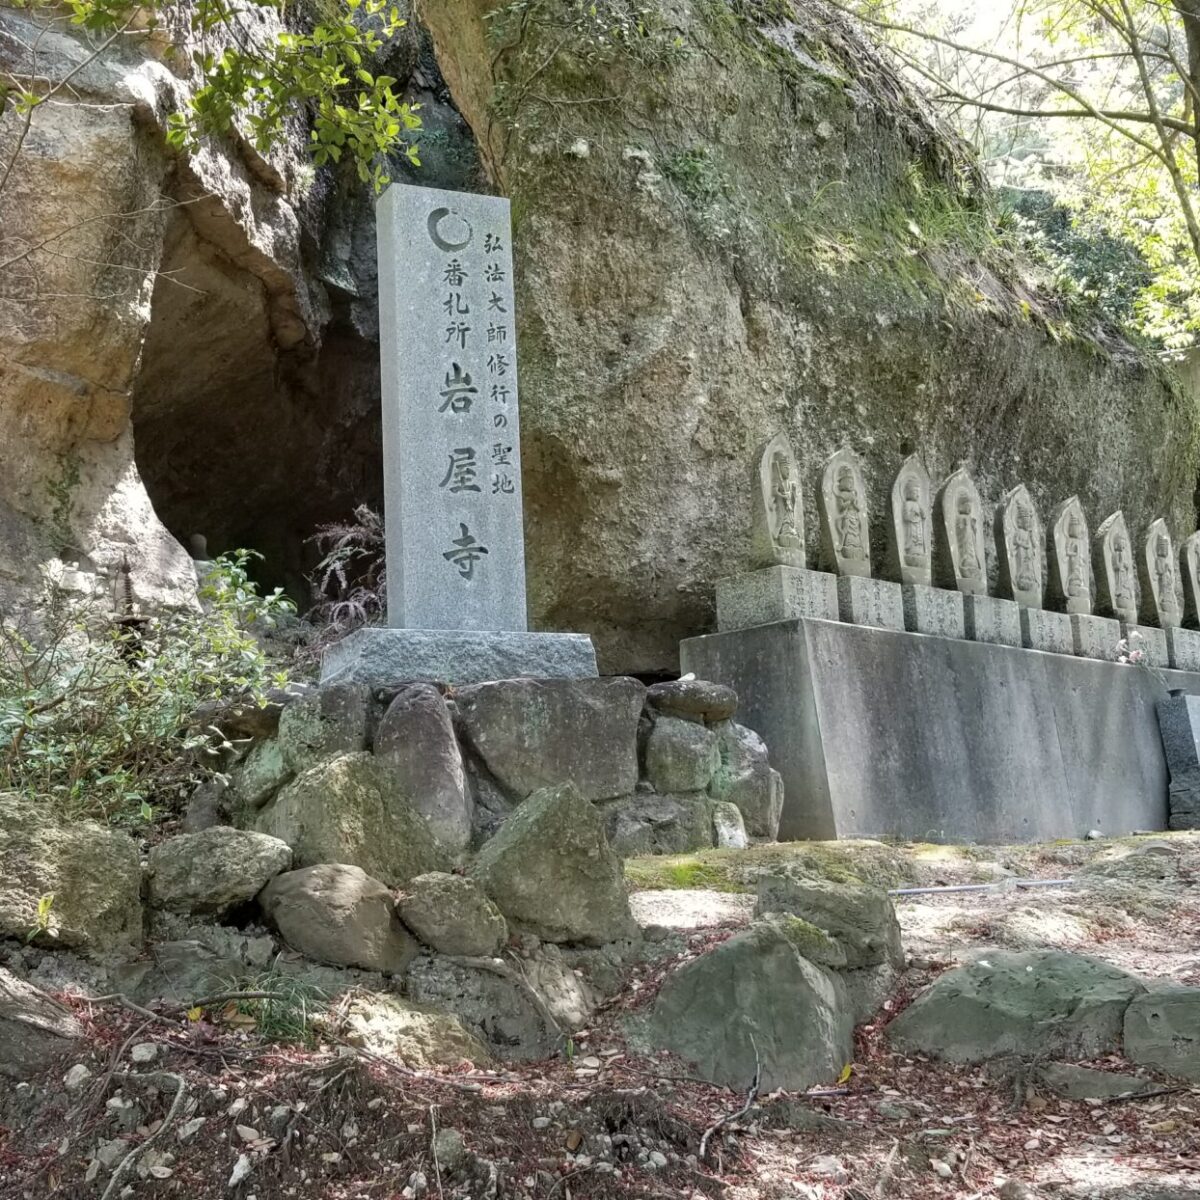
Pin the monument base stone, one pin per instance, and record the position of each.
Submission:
(775, 594)
(382, 657)
(1095, 637)
(989, 619)
(1183, 649)
(863, 601)
(933, 610)
(1151, 642)
(1049, 631)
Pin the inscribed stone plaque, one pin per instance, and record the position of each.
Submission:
(1095, 637)
(1019, 542)
(1116, 586)
(451, 436)
(910, 528)
(1049, 631)
(845, 533)
(777, 520)
(877, 602)
(1149, 642)
(1159, 574)
(959, 557)
(1069, 554)
(933, 610)
(1189, 570)
(1183, 648)
(775, 594)
(990, 619)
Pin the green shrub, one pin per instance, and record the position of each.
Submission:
(96, 716)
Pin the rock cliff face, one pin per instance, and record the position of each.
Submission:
(730, 220)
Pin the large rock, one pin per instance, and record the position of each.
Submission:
(860, 917)
(214, 870)
(35, 1031)
(92, 874)
(451, 914)
(756, 999)
(1162, 1030)
(258, 776)
(417, 1036)
(1041, 1002)
(551, 871)
(681, 756)
(347, 810)
(339, 914)
(780, 241)
(180, 972)
(415, 741)
(651, 824)
(693, 699)
(746, 779)
(537, 733)
(334, 719)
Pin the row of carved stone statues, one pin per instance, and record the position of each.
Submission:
(936, 543)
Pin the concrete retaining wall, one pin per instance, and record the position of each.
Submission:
(884, 734)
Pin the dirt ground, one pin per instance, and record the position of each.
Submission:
(218, 1112)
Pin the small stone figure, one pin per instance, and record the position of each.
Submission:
(1165, 569)
(1160, 595)
(910, 525)
(1068, 555)
(1019, 541)
(960, 561)
(1116, 587)
(1190, 574)
(777, 517)
(916, 545)
(845, 536)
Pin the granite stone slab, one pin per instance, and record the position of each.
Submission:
(382, 657)
(451, 432)
(878, 733)
(1183, 648)
(1151, 642)
(937, 611)
(1095, 637)
(990, 619)
(870, 602)
(1049, 631)
(775, 594)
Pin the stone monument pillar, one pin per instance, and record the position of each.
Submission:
(1116, 588)
(452, 455)
(780, 587)
(1189, 571)
(1069, 554)
(846, 546)
(910, 555)
(960, 561)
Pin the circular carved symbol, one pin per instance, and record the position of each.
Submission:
(441, 215)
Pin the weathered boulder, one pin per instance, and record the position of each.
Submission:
(774, 225)
(91, 874)
(179, 972)
(551, 871)
(746, 779)
(860, 917)
(648, 823)
(520, 1012)
(756, 1000)
(415, 741)
(681, 756)
(347, 810)
(35, 1031)
(258, 776)
(417, 1036)
(338, 914)
(693, 700)
(537, 733)
(451, 914)
(729, 827)
(1084, 1083)
(1162, 1030)
(335, 719)
(1040, 1002)
(214, 870)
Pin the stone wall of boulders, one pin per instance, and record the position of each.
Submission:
(405, 780)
